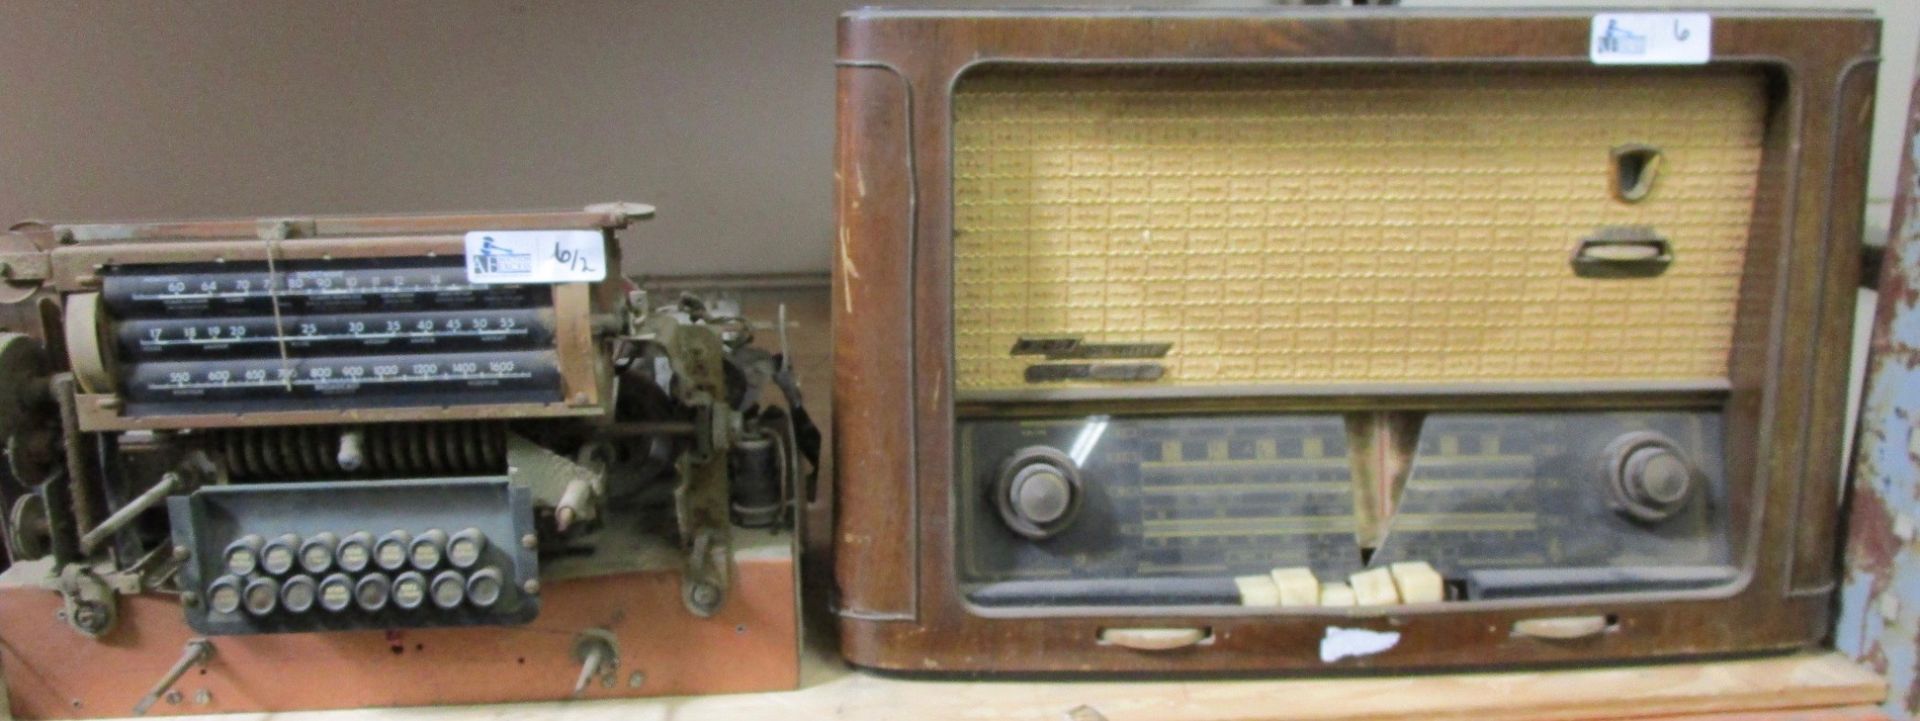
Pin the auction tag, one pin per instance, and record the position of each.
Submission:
(1651, 39)
(536, 256)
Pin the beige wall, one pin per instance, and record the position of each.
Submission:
(719, 112)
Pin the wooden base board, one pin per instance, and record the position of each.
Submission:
(1811, 687)
(751, 645)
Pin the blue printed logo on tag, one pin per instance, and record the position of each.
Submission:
(495, 258)
(1651, 39)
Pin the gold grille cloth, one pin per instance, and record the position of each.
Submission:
(1343, 226)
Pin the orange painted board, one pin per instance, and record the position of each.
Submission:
(750, 645)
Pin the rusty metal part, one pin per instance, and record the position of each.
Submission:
(748, 647)
(88, 603)
(196, 654)
(1879, 606)
(701, 501)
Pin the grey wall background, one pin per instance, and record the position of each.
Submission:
(719, 112)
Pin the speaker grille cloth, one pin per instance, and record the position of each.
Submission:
(1348, 226)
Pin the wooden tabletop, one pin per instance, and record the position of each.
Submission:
(1802, 687)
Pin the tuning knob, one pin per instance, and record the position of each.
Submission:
(1038, 492)
(1648, 478)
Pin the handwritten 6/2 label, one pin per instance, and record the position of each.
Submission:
(536, 256)
(1651, 39)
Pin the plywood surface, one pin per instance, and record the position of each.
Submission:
(1812, 686)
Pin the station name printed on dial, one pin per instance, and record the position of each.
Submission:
(536, 256)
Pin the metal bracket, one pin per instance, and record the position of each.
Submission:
(701, 500)
(87, 602)
(709, 572)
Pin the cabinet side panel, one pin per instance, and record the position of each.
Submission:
(872, 324)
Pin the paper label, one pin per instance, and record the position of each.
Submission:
(1342, 643)
(536, 256)
(1651, 39)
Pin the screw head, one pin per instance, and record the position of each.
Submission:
(180, 553)
(529, 542)
(175, 697)
(203, 697)
(88, 617)
(531, 586)
(636, 679)
(704, 594)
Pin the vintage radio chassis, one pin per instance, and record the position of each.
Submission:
(566, 460)
(900, 605)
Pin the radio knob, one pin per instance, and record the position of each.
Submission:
(1038, 492)
(1650, 479)
(1658, 477)
(1042, 495)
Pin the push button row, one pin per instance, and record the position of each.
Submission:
(337, 592)
(394, 551)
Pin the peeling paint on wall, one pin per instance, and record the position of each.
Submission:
(1880, 596)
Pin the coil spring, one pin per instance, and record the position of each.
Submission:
(402, 449)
